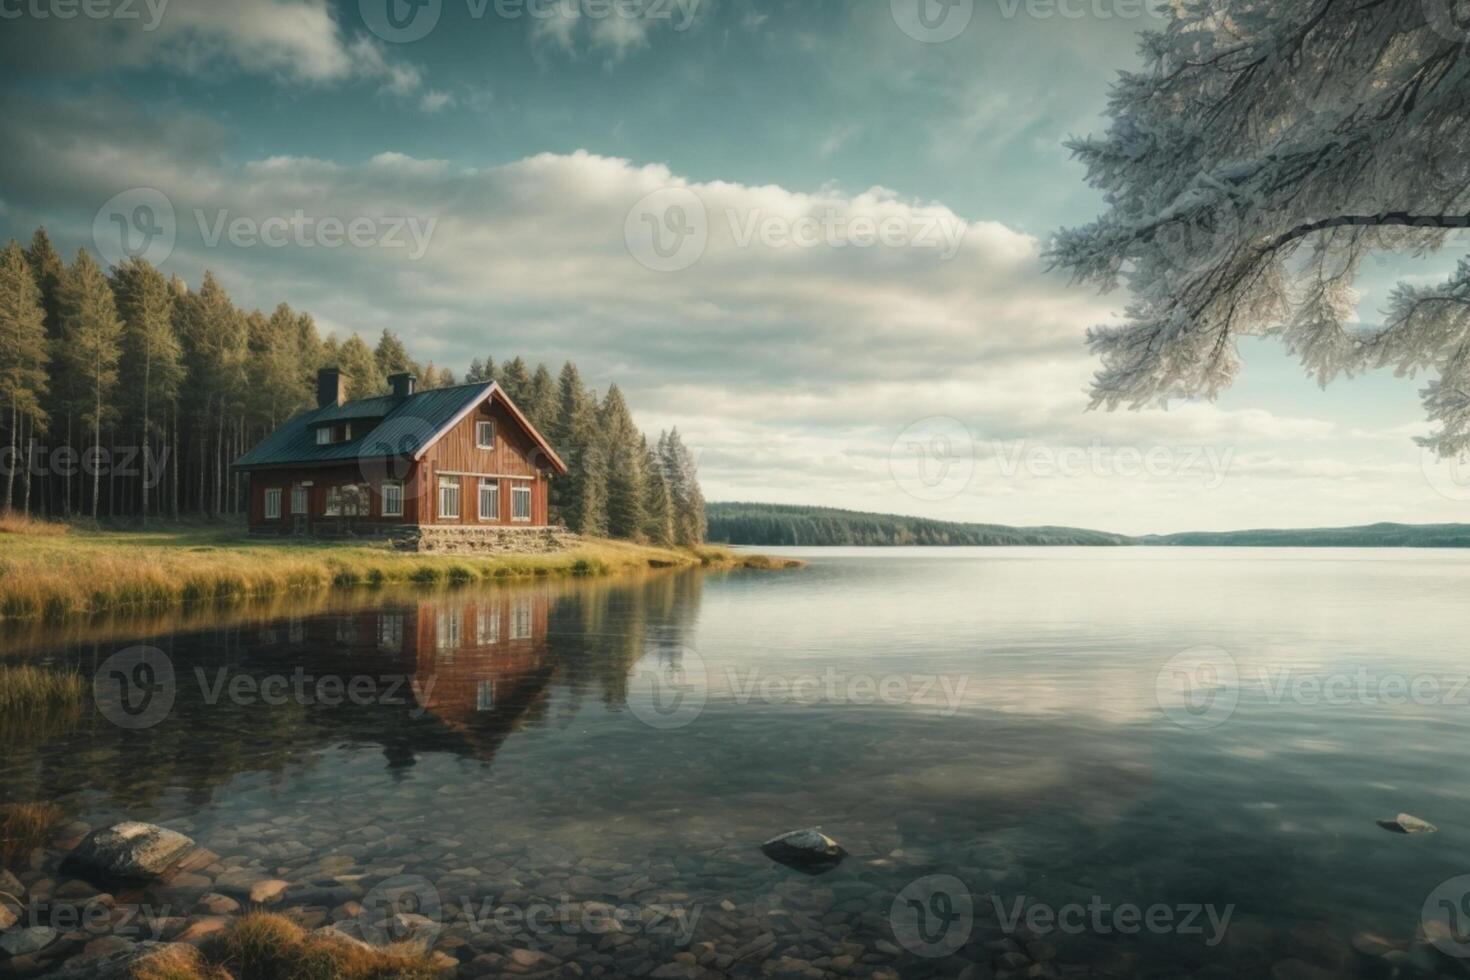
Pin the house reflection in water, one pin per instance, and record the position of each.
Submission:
(457, 674)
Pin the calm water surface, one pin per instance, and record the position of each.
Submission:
(985, 731)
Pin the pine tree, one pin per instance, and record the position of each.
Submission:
(150, 364)
(540, 405)
(515, 381)
(392, 357)
(658, 505)
(215, 340)
(24, 352)
(476, 373)
(572, 437)
(48, 269)
(92, 345)
(364, 380)
(624, 458)
(690, 523)
(276, 385)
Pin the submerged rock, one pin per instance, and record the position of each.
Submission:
(129, 851)
(809, 850)
(21, 942)
(1406, 824)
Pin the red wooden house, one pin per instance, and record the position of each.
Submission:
(452, 458)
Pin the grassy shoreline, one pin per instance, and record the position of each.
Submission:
(52, 572)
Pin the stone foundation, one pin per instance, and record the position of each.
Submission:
(448, 539)
(497, 539)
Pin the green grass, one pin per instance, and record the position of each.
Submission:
(54, 576)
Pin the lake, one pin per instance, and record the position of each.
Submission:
(1040, 762)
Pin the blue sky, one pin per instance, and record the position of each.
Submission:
(940, 372)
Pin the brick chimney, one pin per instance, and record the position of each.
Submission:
(402, 385)
(331, 387)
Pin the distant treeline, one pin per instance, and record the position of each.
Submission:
(125, 393)
(781, 524)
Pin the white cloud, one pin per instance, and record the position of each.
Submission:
(295, 41)
(793, 369)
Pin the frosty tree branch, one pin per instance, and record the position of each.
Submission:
(1264, 152)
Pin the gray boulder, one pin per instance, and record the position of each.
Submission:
(22, 942)
(809, 851)
(129, 851)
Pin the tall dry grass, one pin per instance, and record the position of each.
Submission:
(25, 827)
(36, 702)
(93, 571)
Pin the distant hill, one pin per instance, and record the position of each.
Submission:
(778, 524)
(785, 524)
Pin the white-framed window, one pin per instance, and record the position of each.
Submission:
(348, 501)
(299, 499)
(393, 499)
(446, 633)
(520, 620)
(449, 497)
(520, 502)
(273, 505)
(324, 436)
(390, 632)
(487, 627)
(489, 500)
(485, 696)
(485, 434)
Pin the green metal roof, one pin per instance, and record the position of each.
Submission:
(406, 427)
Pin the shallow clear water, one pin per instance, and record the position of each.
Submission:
(1018, 721)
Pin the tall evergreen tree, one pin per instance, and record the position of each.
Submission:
(356, 360)
(658, 506)
(151, 362)
(24, 353)
(48, 269)
(622, 449)
(392, 357)
(690, 523)
(515, 381)
(476, 373)
(91, 346)
(540, 406)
